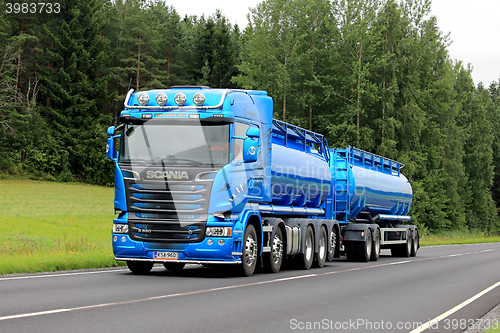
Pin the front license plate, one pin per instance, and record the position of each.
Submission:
(166, 255)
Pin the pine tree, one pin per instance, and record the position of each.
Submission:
(73, 87)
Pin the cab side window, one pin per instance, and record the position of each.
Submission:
(240, 130)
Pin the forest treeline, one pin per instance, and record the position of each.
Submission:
(375, 74)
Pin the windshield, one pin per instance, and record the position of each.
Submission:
(158, 143)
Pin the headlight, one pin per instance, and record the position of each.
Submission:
(120, 228)
(219, 231)
(143, 99)
(180, 99)
(161, 99)
(199, 98)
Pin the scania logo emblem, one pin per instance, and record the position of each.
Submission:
(167, 175)
(190, 232)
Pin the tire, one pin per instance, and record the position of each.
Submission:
(250, 251)
(174, 266)
(333, 245)
(322, 248)
(306, 258)
(364, 252)
(376, 246)
(415, 244)
(140, 267)
(274, 259)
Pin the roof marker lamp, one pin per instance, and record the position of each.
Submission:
(161, 99)
(199, 98)
(180, 99)
(143, 99)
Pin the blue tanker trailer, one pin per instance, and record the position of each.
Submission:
(206, 176)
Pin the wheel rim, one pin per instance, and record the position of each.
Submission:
(277, 249)
(250, 250)
(322, 246)
(333, 242)
(368, 244)
(409, 242)
(309, 249)
(377, 244)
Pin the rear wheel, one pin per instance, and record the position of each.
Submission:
(415, 244)
(174, 266)
(250, 254)
(306, 258)
(275, 258)
(376, 246)
(333, 245)
(140, 267)
(322, 248)
(365, 248)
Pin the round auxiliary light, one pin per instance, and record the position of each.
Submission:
(199, 98)
(161, 99)
(180, 99)
(143, 99)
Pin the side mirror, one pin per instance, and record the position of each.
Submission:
(250, 150)
(110, 131)
(253, 132)
(110, 148)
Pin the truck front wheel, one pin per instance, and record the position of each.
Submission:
(250, 253)
(140, 267)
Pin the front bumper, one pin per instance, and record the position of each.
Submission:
(126, 249)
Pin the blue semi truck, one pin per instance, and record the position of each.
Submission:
(207, 176)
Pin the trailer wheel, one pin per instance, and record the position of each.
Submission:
(376, 246)
(364, 249)
(333, 245)
(174, 266)
(322, 248)
(275, 258)
(140, 267)
(306, 258)
(249, 256)
(415, 244)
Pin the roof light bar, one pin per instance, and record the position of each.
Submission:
(156, 107)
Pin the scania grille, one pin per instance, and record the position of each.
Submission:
(164, 210)
(169, 201)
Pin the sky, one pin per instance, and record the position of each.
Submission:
(474, 28)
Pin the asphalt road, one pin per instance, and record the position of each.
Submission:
(390, 295)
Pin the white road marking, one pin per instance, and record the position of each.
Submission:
(62, 274)
(455, 309)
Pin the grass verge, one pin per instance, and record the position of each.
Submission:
(48, 226)
(458, 237)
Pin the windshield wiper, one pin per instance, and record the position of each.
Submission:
(140, 161)
(171, 159)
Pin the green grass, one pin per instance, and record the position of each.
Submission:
(48, 226)
(458, 237)
(494, 330)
